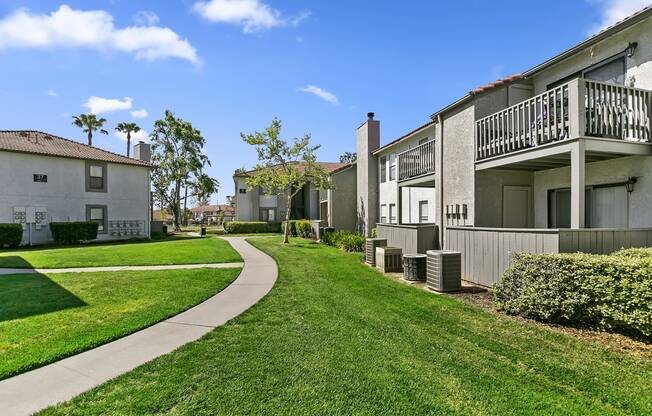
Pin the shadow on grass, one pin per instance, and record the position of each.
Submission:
(25, 295)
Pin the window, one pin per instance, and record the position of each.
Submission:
(95, 177)
(383, 169)
(242, 190)
(612, 72)
(383, 214)
(268, 214)
(392, 213)
(424, 140)
(392, 167)
(423, 211)
(97, 213)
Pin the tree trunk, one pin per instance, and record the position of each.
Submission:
(287, 219)
(176, 207)
(128, 143)
(185, 206)
(90, 138)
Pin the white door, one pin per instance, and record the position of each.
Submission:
(516, 206)
(609, 207)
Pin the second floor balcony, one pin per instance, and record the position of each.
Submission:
(417, 163)
(579, 109)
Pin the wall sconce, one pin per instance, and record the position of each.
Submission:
(631, 47)
(629, 185)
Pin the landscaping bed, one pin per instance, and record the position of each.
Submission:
(336, 337)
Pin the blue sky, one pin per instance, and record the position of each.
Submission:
(232, 65)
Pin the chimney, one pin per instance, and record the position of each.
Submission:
(368, 140)
(142, 151)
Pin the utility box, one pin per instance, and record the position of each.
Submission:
(389, 259)
(370, 249)
(414, 267)
(444, 270)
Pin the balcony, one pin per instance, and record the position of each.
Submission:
(578, 109)
(417, 163)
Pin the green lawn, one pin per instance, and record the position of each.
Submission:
(175, 250)
(335, 337)
(45, 318)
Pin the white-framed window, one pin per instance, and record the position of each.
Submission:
(392, 213)
(97, 213)
(392, 167)
(383, 169)
(423, 211)
(383, 213)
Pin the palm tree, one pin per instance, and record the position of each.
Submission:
(89, 123)
(128, 128)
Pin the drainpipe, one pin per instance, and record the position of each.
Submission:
(440, 185)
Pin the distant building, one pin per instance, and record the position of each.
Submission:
(213, 214)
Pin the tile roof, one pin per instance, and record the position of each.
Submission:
(498, 83)
(39, 143)
(404, 137)
(329, 167)
(213, 208)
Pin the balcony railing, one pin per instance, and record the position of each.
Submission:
(416, 162)
(576, 109)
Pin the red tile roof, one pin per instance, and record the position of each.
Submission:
(328, 167)
(498, 83)
(39, 143)
(213, 208)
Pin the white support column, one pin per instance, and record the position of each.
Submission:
(578, 184)
(399, 203)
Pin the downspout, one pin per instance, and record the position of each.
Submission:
(440, 123)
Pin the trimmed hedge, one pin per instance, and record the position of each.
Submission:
(345, 240)
(251, 227)
(73, 232)
(10, 235)
(606, 291)
(299, 228)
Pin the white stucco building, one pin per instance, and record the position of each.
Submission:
(45, 178)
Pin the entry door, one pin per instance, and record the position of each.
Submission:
(324, 213)
(609, 207)
(516, 206)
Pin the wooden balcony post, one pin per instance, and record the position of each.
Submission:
(576, 107)
(578, 192)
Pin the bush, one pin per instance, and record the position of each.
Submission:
(73, 232)
(637, 253)
(292, 228)
(251, 227)
(299, 228)
(611, 292)
(10, 235)
(345, 240)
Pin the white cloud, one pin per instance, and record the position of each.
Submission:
(613, 11)
(142, 113)
(70, 28)
(99, 105)
(252, 15)
(141, 135)
(51, 93)
(321, 93)
(146, 18)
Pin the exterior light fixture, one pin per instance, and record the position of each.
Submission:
(629, 185)
(631, 47)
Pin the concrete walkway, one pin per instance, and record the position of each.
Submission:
(65, 379)
(122, 268)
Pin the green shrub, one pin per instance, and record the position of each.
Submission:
(10, 235)
(638, 253)
(304, 229)
(73, 232)
(611, 292)
(374, 232)
(344, 240)
(251, 227)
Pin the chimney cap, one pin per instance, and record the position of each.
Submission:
(370, 115)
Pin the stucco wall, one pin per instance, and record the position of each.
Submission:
(64, 195)
(639, 65)
(601, 173)
(367, 193)
(342, 205)
(489, 194)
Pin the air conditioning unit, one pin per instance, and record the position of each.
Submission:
(370, 249)
(444, 270)
(389, 259)
(414, 267)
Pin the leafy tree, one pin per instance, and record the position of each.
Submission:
(285, 168)
(89, 123)
(348, 157)
(128, 128)
(179, 162)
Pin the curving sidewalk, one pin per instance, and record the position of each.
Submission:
(60, 381)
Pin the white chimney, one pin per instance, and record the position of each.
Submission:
(368, 140)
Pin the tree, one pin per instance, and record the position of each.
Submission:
(128, 128)
(285, 168)
(179, 162)
(89, 123)
(348, 157)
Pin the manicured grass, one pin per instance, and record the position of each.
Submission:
(175, 250)
(45, 318)
(335, 337)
